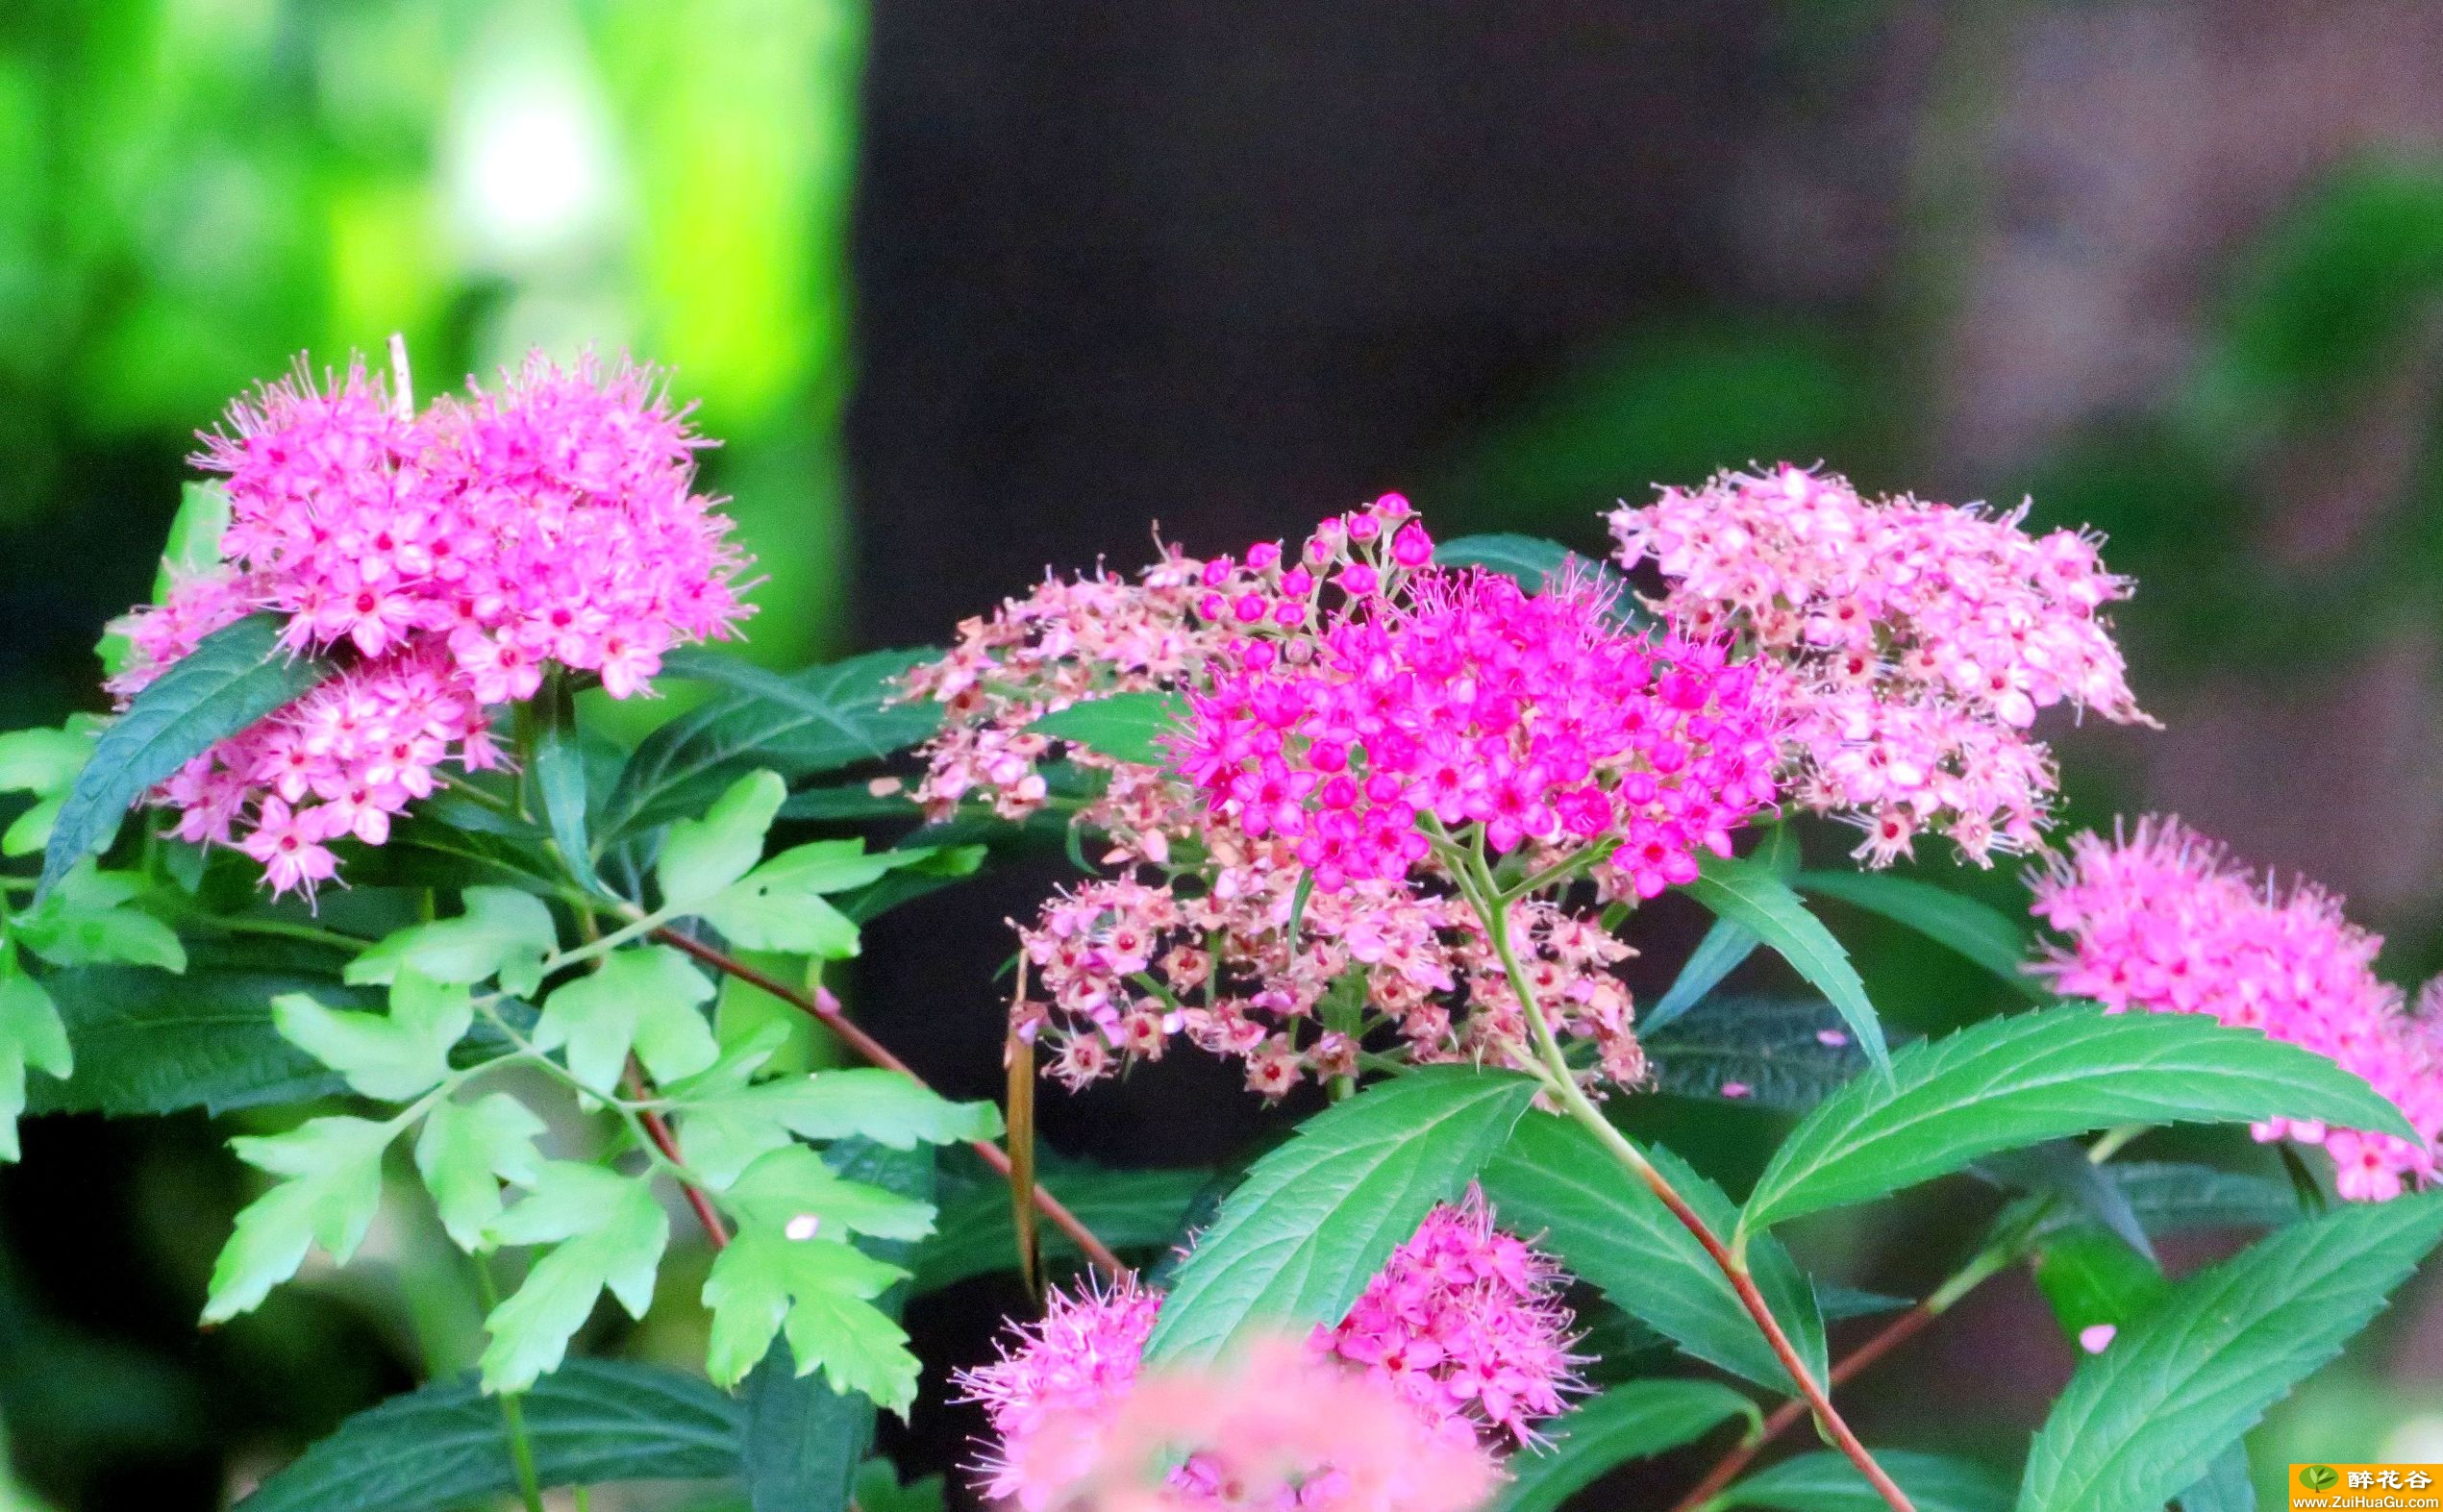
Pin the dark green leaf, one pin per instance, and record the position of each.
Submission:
(1826, 1481)
(1786, 1054)
(148, 1042)
(1982, 933)
(1631, 1421)
(1748, 892)
(1317, 1218)
(800, 725)
(2059, 1169)
(1838, 1302)
(2092, 1280)
(2170, 1196)
(236, 676)
(1534, 564)
(2226, 1487)
(1553, 1178)
(560, 781)
(848, 801)
(1725, 947)
(443, 1447)
(1126, 726)
(2041, 1076)
(2146, 1419)
(1135, 1212)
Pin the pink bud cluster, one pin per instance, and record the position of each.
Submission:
(1462, 1333)
(2164, 920)
(446, 559)
(1923, 638)
(1455, 699)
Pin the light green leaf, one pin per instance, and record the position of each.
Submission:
(821, 1292)
(466, 1150)
(31, 1034)
(334, 1170)
(1553, 1178)
(2090, 1276)
(236, 676)
(1317, 1217)
(2041, 1076)
(397, 1055)
(723, 1130)
(610, 1233)
(1786, 1054)
(1634, 1420)
(504, 933)
(1750, 895)
(1983, 934)
(88, 921)
(1826, 1481)
(779, 907)
(441, 1448)
(30, 831)
(647, 999)
(1135, 1212)
(702, 857)
(2145, 1419)
(787, 1188)
(43, 762)
(1124, 726)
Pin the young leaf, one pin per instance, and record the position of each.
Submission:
(1126, 726)
(396, 1057)
(819, 1293)
(801, 725)
(647, 999)
(236, 676)
(1786, 1054)
(609, 1233)
(87, 921)
(334, 1170)
(504, 933)
(1982, 933)
(1555, 1178)
(1750, 894)
(1317, 1217)
(785, 1187)
(31, 1034)
(1631, 1421)
(2145, 1418)
(701, 856)
(466, 1150)
(1826, 1481)
(442, 1446)
(779, 907)
(1135, 1212)
(2041, 1076)
(725, 1129)
(43, 762)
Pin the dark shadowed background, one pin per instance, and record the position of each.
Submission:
(969, 290)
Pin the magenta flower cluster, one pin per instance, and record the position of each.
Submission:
(1456, 698)
(446, 559)
(1923, 638)
(2164, 920)
(1463, 1327)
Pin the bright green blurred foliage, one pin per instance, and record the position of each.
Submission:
(194, 191)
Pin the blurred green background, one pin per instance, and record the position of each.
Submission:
(968, 289)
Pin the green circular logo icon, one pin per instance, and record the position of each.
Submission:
(2319, 1478)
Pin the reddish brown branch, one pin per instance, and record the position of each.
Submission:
(826, 1009)
(658, 1129)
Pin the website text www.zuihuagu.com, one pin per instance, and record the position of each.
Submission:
(2363, 1499)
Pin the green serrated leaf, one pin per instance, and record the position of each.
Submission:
(1534, 565)
(1126, 727)
(647, 999)
(702, 857)
(1726, 946)
(2170, 1197)
(1983, 934)
(1135, 1212)
(236, 676)
(43, 762)
(1748, 892)
(819, 1294)
(442, 1446)
(1316, 1217)
(610, 1234)
(504, 933)
(560, 781)
(2227, 1486)
(31, 1035)
(2039, 1076)
(148, 1042)
(1786, 1054)
(397, 1055)
(2145, 1419)
(1826, 1481)
(466, 1150)
(726, 1129)
(1634, 1420)
(1556, 1179)
(88, 920)
(791, 1189)
(779, 907)
(2092, 1277)
(2060, 1170)
(334, 1170)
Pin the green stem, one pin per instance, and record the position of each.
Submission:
(521, 1448)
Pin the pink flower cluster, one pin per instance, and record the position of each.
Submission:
(1455, 699)
(1923, 638)
(1462, 1331)
(446, 559)
(2164, 920)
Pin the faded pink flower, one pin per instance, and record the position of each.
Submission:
(2164, 920)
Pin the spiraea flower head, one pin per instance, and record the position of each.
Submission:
(445, 560)
(2164, 920)
(1921, 640)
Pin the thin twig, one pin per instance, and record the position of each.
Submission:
(658, 1129)
(824, 1008)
